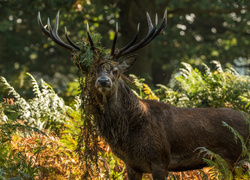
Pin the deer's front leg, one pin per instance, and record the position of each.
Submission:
(132, 174)
(159, 172)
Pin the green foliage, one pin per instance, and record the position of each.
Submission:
(86, 57)
(237, 135)
(13, 164)
(72, 126)
(24, 118)
(141, 89)
(46, 110)
(219, 167)
(114, 172)
(218, 88)
(47, 147)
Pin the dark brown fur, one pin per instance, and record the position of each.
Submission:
(149, 136)
(154, 137)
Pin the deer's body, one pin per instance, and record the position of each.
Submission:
(149, 136)
(154, 137)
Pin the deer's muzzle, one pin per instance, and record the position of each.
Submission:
(103, 84)
(103, 81)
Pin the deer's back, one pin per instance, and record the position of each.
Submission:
(184, 130)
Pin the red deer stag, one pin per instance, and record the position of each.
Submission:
(150, 136)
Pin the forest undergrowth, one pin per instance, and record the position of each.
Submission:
(39, 135)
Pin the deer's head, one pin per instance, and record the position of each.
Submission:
(106, 68)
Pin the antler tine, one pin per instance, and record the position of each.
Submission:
(156, 19)
(90, 39)
(50, 31)
(45, 31)
(53, 33)
(116, 56)
(159, 30)
(114, 41)
(70, 42)
(153, 32)
(150, 25)
(139, 45)
(162, 25)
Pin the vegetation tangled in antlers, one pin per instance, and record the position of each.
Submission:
(87, 58)
(83, 56)
(88, 151)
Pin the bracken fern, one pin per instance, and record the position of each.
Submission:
(45, 110)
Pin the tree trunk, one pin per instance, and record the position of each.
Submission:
(132, 13)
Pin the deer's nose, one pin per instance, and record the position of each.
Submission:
(103, 81)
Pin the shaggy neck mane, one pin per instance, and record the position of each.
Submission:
(115, 113)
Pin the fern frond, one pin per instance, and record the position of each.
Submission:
(217, 163)
(207, 70)
(238, 136)
(209, 162)
(21, 102)
(35, 85)
(233, 71)
(45, 85)
(10, 88)
(246, 100)
(138, 82)
(78, 102)
(187, 66)
(218, 66)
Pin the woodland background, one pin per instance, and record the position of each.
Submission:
(196, 32)
(201, 61)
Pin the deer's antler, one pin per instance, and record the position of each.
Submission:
(153, 31)
(52, 34)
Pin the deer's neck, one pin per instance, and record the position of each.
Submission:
(118, 113)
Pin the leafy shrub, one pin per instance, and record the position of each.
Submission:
(22, 126)
(12, 163)
(46, 110)
(39, 137)
(192, 88)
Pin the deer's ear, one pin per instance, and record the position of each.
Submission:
(127, 63)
